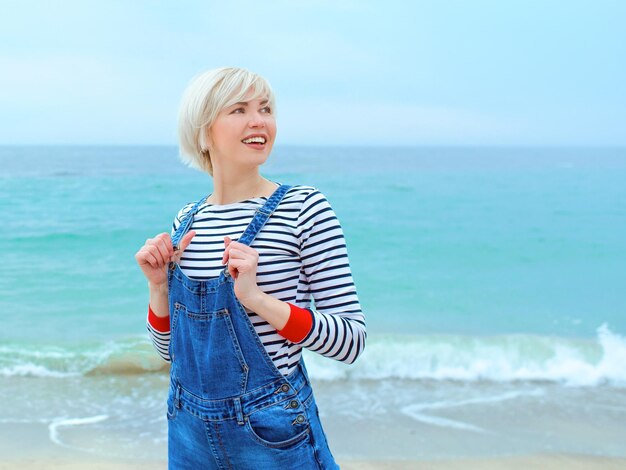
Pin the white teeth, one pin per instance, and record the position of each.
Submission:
(255, 140)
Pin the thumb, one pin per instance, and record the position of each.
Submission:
(227, 241)
(184, 243)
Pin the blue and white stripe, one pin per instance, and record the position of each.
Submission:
(303, 259)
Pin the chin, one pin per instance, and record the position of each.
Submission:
(256, 160)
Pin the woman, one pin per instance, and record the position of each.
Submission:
(231, 291)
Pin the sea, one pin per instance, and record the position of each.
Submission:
(493, 281)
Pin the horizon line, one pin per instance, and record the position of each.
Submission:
(468, 145)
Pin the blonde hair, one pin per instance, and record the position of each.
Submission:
(206, 95)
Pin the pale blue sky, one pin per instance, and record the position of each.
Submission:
(391, 72)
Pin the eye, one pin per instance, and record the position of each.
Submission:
(266, 110)
(239, 110)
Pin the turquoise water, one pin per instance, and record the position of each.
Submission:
(464, 241)
(473, 243)
(474, 266)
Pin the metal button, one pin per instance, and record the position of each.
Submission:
(293, 404)
(300, 419)
(284, 388)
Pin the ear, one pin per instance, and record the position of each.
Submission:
(205, 141)
(206, 144)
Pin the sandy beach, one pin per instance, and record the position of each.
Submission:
(28, 447)
(532, 426)
(547, 462)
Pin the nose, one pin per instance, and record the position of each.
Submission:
(256, 120)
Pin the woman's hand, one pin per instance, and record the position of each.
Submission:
(154, 257)
(242, 266)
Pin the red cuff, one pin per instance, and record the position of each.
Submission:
(299, 324)
(161, 324)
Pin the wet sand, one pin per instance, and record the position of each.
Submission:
(433, 426)
(547, 462)
(27, 447)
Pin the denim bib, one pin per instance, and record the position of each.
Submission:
(229, 407)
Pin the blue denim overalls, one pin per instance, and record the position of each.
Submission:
(228, 405)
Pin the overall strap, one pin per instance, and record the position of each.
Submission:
(262, 214)
(185, 224)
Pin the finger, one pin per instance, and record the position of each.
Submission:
(156, 262)
(157, 252)
(242, 266)
(184, 243)
(232, 245)
(235, 253)
(242, 247)
(157, 247)
(251, 257)
(164, 250)
(227, 242)
(232, 271)
(157, 239)
(150, 259)
(164, 236)
(140, 258)
(176, 255)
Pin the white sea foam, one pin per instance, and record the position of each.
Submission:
(420, 411)
(130, 356)
(576, 362)
(442, 422)
(54, 426)
(29, 369)
(505, 358)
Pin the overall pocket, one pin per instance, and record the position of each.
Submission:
(208, 359)
(280, 425)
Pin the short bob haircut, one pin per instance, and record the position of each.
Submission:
(206, 95)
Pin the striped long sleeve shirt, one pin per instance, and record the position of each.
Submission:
(303, 260)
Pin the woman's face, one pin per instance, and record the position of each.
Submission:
(243, 134)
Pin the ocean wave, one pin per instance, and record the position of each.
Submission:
(504, 358)
(130, 356)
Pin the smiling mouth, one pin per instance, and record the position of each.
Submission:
(254, 140)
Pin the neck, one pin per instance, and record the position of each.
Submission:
(230, 188)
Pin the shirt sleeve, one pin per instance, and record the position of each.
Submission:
(159, 333)
(158, 328)
(338, 330)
